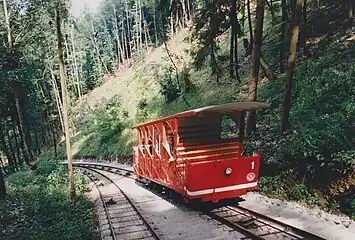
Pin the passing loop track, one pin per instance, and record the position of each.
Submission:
(130, 224)
(252, 224)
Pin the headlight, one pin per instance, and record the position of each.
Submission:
(228, 171)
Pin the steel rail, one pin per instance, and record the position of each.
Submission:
(150, 229)
(109, 221)
(236, 227)
(288, 229)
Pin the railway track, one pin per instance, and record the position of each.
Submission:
(122, 219)
(252, 224)
(256, 225)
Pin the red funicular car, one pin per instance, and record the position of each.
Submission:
(198, 153)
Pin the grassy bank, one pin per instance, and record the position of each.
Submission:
(37, 205)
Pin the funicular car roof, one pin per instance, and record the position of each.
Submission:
(223, 108)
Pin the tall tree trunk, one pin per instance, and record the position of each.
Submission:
(23, 127)
(243, 6)
(271, 11)
(124, 41)
(100, 61)
(305, 31)
(267, 71)
(171, 22)
(285, 122)
(282, 36)
(188, 10)
(52, 127)
(136, 39)
(140, 25)
(17, 145)
(57, 97)
(234, 29)
(119, 48)
(65, 101)
(12, 150)
(147, 34)
(250, 26)
(351, 14)
(155, 26)
(236, 34)
(128, 29)
(2, 183)
(22, 144)
(75, 64)
(234, 42)
(184, 12)
(4, 149)
(8, 27)
(37, 143)
(253, 83)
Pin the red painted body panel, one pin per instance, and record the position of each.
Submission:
(202, 183)
(196, 170)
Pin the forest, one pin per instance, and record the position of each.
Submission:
(71, 88)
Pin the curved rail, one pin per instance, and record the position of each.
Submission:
(252, 224)
(146, 224)
(109, 220)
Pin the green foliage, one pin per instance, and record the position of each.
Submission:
(169, 84)
(299, 192)
(272, 186)
(342, 160)
(173, 83)
(210, 22)
(352, 208)
(101, 129)
(321, 113)
(38, 206)
(320, 141)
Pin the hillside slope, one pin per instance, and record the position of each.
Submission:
(135, 82)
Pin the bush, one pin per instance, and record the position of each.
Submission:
(38, 207)
(101, 130)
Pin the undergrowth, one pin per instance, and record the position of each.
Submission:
(102, 131)
(38, 206)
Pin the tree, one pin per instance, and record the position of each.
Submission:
(234, 42)
(351, 14)
(4, 148)
(17, 89)
(2, 185)
(282, 36)
(250, 27)
(64, 97)
(253, 82)
(285, 115)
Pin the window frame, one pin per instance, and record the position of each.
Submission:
(240, 127)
